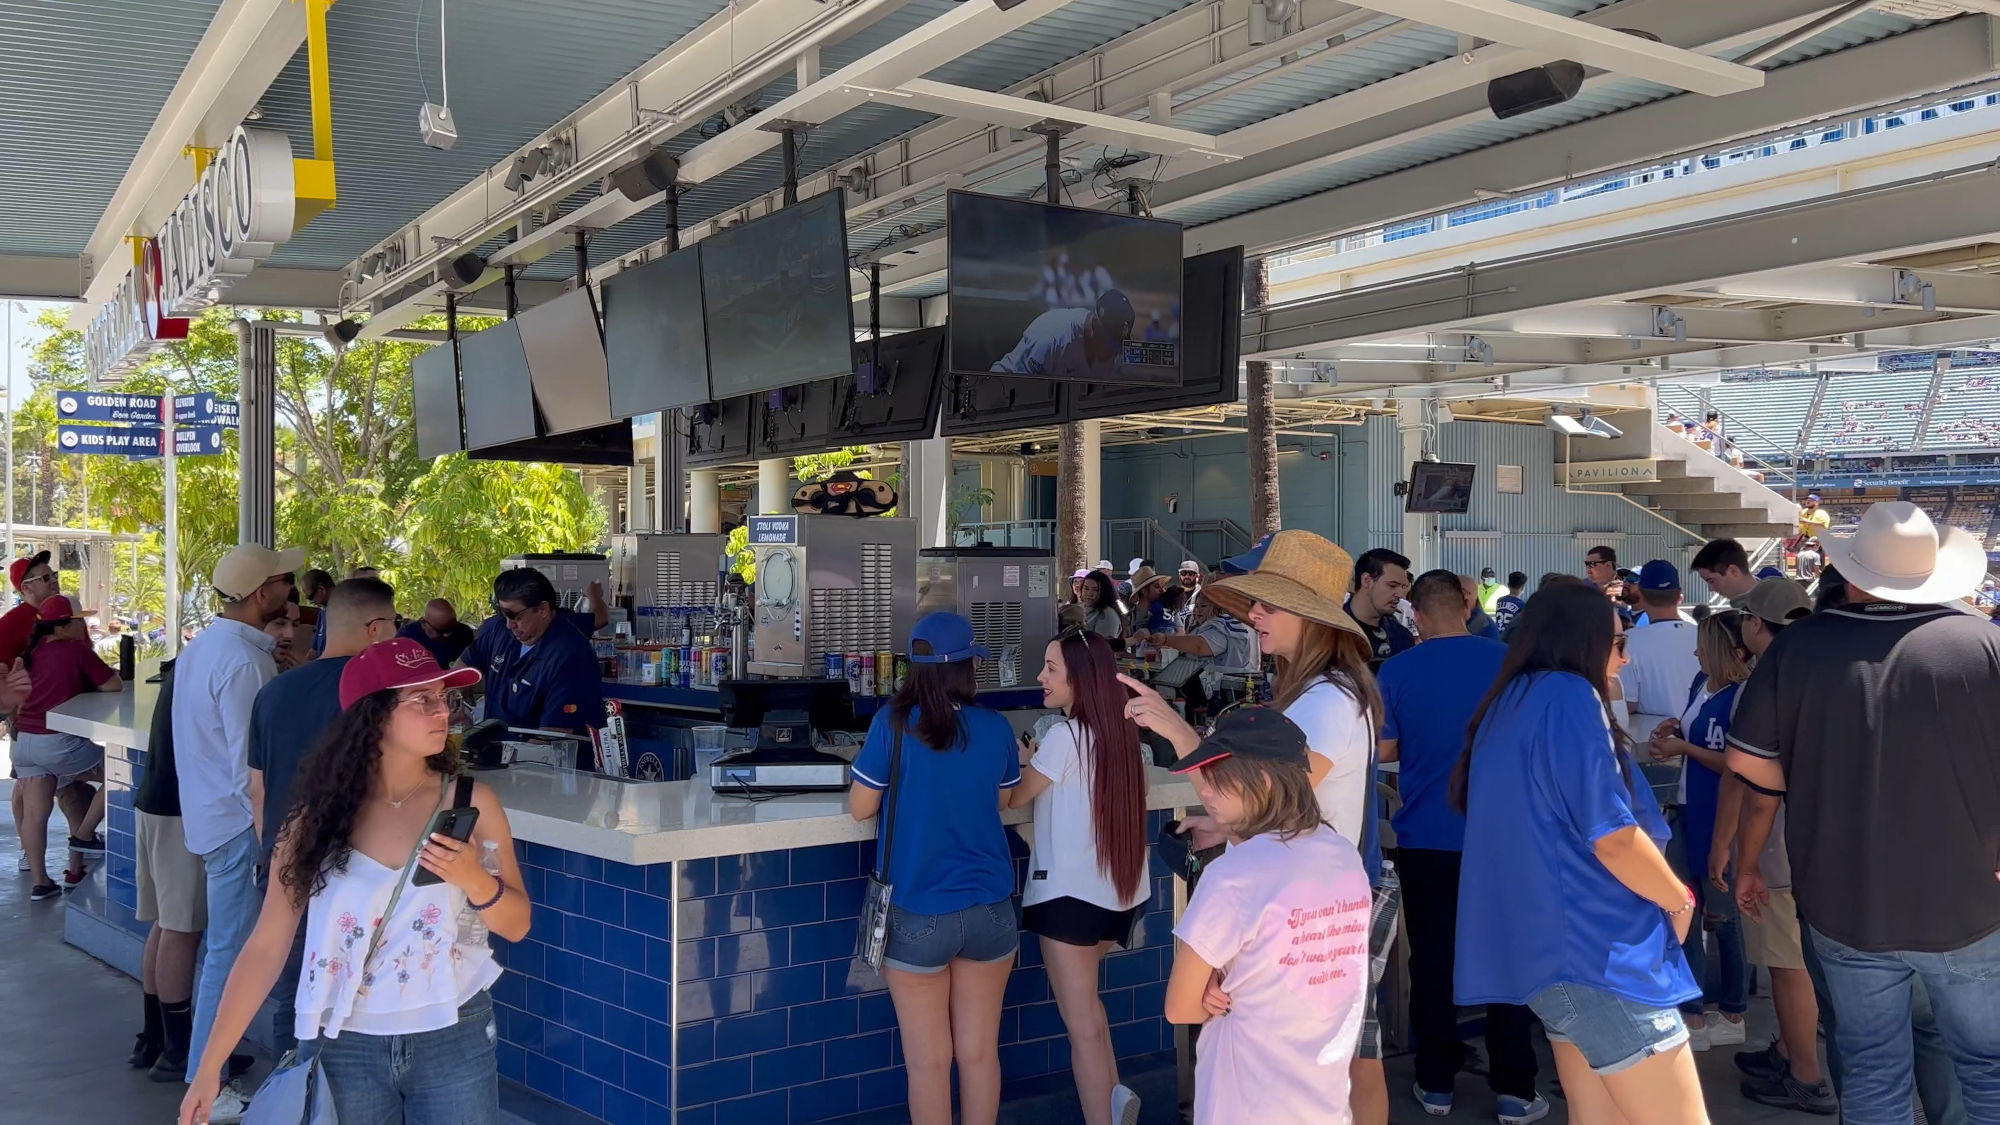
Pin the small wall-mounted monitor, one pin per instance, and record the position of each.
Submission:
(1067, 293)
(1439, 487)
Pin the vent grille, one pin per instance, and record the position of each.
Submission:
(670, 591)
(857, 620)
(998, 626)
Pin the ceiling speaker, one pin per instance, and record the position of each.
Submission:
(648, 176)
(1512, 95)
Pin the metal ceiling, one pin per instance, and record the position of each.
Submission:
(81, 82)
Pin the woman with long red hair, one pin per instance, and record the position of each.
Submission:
(1087, 859)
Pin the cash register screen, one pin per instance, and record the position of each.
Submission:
(746, 704)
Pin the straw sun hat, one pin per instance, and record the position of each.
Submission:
(1300, 573)
(1145, 576)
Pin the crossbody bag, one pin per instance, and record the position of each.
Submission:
(873, 939)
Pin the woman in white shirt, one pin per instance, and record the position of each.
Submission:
(1324, 686)
(407, 1033)
(1087, 859)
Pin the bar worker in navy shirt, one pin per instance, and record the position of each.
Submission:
(549, 678)
(1566, 902)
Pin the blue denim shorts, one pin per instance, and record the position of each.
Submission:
(445, 1077)
(1613, 1033)
(926, 943)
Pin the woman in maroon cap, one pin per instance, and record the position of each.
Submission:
(61, 666)
(418, 1048)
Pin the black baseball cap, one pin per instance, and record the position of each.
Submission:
(1249, 732)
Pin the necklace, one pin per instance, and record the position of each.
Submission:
(399, 804)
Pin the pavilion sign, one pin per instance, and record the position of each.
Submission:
(1608, 472)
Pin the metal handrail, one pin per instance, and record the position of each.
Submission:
(1788, 473)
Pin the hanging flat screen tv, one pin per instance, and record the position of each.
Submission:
(440, 426)
(566, 363)
(1065, 293)
(499, 394)
(780, 309)
(1211, 336)
(655, 343)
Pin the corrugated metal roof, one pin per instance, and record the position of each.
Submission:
(1864, 28)
(516, 67)
(77, 102)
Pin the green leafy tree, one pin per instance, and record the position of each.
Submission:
(351, 489)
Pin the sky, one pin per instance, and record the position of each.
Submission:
(20, 344)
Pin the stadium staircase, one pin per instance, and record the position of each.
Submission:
(1693, 489)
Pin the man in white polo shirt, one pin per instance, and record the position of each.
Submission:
(216, 681)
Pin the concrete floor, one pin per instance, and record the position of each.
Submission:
(71, 1020)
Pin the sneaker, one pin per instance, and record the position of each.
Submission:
(1725, 1032)
(171, 1066)
(43, 891)
(1787, 1092)
(91, 847)
(145, 1052)
(1437, 1105)
(1124, 1106)
(1698, 1037)
(239, 1064)
(1514, 1111)
(1761, 1064)
(229, 1105)
(21, 866)
(74, 879)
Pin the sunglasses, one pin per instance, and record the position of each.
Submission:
(516, 614)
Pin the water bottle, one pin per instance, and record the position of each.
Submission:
(471, 923)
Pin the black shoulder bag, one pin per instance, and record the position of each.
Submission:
(873, 939)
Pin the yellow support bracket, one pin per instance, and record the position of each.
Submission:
(313, 180)
(201, 158)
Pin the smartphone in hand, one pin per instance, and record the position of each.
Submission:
(455, 823)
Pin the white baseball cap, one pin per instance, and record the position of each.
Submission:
(1134, 565)
(1103, 564)
(1190, 566)
(248, 566)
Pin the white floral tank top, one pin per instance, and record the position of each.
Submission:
(419, 977)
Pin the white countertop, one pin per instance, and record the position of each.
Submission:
(115, 718)
(631, 822)
(655, 822)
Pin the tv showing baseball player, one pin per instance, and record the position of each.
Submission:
(1063, 293)
(780, 311)
(1439, 487)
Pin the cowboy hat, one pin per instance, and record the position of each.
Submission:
(1145, 576)
(1300, 573)
(1899, 555)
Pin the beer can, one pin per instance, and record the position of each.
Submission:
(902, 671)
(836, 666)
(649, 672)
(670, 664)
(853, 665)
(686, 678)
(867, 674)
(885, 673)
(718, 665)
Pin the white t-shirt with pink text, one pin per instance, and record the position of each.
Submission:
(1287, 923)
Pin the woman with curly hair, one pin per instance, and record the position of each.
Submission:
(402, 1023)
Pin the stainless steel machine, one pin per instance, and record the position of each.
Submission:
(1008, 593)
(570, 574)
(657, 574)
(830, 584)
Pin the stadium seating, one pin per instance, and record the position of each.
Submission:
(1766, 414)
(1861, 413)
(1967, 414)
(1869, 414)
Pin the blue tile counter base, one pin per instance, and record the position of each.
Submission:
(722, 990)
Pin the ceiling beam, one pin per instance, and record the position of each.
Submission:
(36, 277)
(1087, 126)
(1888, 70)
(1855, 226)
(1868, 286)
(1518, 25)
(247, 43)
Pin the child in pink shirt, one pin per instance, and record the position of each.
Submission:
(1273, 951)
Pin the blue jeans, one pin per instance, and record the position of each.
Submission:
(232, 914)
(1715, 955)
(443, 1077)
(1937, 1078)
(285, 993)
(1872, 999)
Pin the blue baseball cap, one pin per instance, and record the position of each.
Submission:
(949, 637)
(1248, 561)
(1769, 572)
(1659, 575)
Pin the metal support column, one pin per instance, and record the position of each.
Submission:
(257, 374)
(774, 486)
